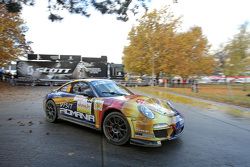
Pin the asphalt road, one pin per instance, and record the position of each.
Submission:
(210, 138)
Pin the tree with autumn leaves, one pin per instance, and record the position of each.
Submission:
(157, 47)
(237, 53)
(12, 38)
(120, 8)
(233, 58)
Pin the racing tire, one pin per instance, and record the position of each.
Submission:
(51, 111)
(116, 128)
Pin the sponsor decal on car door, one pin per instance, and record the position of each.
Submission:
(84, 104)
(84, 108)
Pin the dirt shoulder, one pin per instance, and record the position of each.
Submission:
(22, 93)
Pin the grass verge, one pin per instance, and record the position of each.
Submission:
(163, 93)
(231, 94)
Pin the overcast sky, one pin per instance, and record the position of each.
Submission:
(104, 35)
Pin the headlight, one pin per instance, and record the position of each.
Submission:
(145, 111)
(161, 110)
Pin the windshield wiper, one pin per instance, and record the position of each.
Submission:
(114, 93)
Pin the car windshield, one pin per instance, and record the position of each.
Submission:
(107, 88)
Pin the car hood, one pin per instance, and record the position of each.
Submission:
(132, 102)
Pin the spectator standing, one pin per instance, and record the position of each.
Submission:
(194, 86)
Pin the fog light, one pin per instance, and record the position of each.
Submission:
(160, 126)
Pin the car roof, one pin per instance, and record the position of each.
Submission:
(90, 80)
(85, 80)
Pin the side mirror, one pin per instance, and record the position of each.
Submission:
(54, 91)
(89, 93)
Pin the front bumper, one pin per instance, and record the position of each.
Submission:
(155, 138)
(156, 143)
(145, 143)
(150, 133)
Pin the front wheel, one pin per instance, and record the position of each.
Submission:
(51, 111)
(116, 128)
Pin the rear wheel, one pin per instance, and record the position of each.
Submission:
(51, 111)
(116, 128)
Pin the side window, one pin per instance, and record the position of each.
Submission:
(66, 88)
(80, 87)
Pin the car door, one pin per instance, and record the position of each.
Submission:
(65, 101)
(63, 96)
(84, 111)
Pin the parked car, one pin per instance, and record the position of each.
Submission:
(122, 115)
(242, 80)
